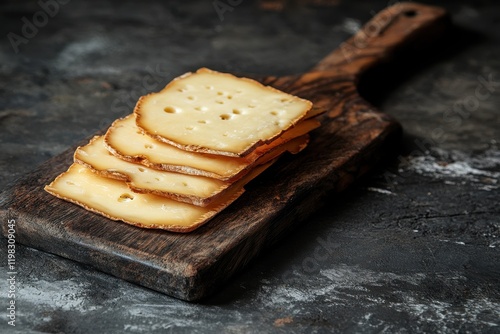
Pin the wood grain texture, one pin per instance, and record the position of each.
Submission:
(354, 136)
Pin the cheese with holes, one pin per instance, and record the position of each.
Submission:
(218, 113)
(113, 199)
(186, 152)
(125, 140)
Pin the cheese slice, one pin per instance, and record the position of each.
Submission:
(197, 190)
(218, 113)
(113, 199)
(126, 141)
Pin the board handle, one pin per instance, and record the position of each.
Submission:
(394, 26)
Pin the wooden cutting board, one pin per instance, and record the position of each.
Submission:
(354, 136)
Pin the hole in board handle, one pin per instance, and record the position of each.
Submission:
(410, 13)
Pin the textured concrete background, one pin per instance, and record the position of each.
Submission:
(413, 247)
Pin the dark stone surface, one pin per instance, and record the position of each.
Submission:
(414, 247)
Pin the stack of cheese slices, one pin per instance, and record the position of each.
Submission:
(186, 152)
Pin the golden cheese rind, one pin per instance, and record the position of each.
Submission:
(218, 113)
(125, 140)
